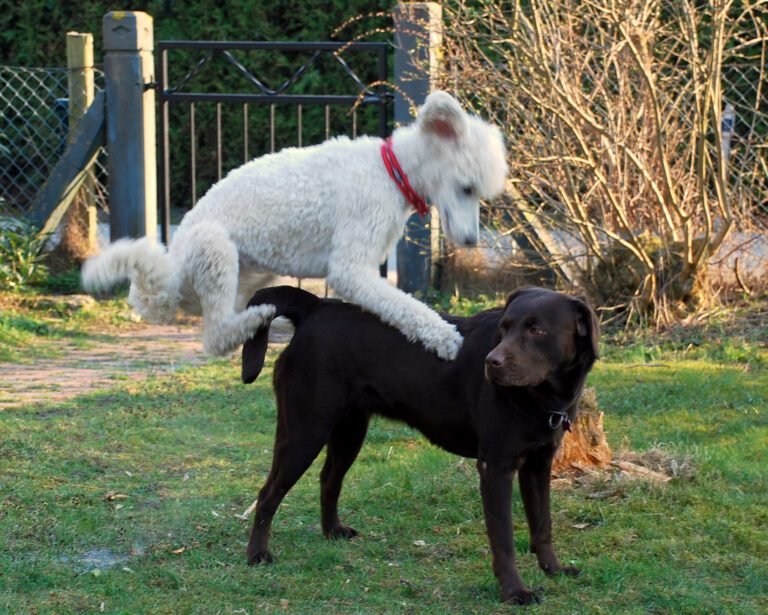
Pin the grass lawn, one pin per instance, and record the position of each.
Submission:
(125, 501)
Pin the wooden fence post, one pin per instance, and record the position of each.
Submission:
(129, 79)
(418, 35)
(79, 234)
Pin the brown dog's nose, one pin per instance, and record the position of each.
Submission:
(494, 360)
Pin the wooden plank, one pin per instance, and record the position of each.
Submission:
(87, 140)
(67, 196)
(82, 232)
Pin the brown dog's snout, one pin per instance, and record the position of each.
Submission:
(494, 358)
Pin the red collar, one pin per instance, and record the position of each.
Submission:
(401, 179)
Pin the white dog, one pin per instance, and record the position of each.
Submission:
(332, 210)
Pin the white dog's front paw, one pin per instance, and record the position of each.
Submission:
(445, 342)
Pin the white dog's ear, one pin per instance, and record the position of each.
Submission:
(442, 116)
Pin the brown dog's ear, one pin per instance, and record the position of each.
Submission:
(587, 325)
(254, 351)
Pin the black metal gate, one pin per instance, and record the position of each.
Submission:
(305, 105)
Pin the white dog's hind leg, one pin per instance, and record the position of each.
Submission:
(362, 285)
(212, 265)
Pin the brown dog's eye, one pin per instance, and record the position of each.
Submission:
(534, 330)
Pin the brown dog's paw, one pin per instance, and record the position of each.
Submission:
(523, 597)
(262, 557)
(341, 531)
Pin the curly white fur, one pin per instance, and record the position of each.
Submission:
(329, 210)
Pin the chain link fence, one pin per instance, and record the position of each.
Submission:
(34, 125)
(745, 131)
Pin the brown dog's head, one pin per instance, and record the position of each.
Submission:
(541, 332)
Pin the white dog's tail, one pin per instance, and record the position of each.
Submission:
(154, 290)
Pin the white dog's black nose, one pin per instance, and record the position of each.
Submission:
(470, 241)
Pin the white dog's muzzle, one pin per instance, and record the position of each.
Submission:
(462, 229)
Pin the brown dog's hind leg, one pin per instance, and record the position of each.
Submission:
(290, 462)
(343, 448)
(534, 478)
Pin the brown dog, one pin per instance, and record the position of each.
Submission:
(504, 401)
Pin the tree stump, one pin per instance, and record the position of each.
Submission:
(584, 447)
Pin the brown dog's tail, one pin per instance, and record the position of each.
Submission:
(290, 302)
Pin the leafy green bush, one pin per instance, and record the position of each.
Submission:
(33, 32)
(21, 257)
(62, 283)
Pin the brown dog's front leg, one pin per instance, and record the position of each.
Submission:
(496, 492)
(534, 478)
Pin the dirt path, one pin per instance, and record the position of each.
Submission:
(133, 355)
(111, 356)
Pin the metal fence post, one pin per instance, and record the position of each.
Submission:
(418, 35)
(131, 156)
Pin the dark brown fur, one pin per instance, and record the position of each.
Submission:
(501, 402)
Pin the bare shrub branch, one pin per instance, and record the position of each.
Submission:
(614, 114)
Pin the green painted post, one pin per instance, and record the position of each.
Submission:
(418, 35)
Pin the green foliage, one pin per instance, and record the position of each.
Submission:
(21, 259)
(64, 282)
(33, 34)
(463, 306)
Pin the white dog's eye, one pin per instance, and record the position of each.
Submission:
(467, 190)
